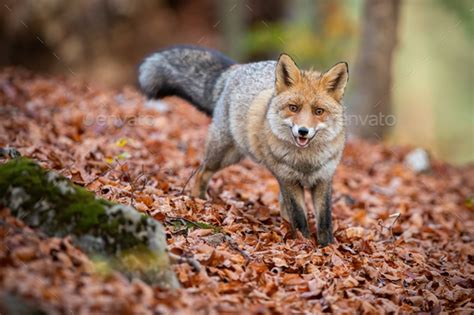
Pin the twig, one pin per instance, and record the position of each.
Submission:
(134, 188)
(390, 227)
(236, 247)
(132, 180)
(99, 176)
(191, 176)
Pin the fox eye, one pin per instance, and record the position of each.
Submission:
(293, 108)
(318, 111)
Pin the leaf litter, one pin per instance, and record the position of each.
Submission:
(404, 241)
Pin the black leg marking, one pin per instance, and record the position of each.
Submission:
(321, 195)
(298, 218)
(293, 204)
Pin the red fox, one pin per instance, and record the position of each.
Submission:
(289, 120)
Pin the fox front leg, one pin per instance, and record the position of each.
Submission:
(292, 207)
(321, 195)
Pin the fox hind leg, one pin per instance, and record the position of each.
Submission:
(220, 153)
(203, 176)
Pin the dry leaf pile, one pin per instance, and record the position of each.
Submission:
(404, 240)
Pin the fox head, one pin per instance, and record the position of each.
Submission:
(307, 104)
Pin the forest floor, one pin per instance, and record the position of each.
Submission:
(404, 241)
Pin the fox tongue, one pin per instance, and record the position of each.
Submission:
(302, 141)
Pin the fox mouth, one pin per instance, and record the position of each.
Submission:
(302, 142)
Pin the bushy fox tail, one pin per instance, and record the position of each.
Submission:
(185, 71)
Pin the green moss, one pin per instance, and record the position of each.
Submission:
(140, 262)
(183, 225)
(51, 203)
(55, 205)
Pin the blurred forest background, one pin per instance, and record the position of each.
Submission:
(410, 59)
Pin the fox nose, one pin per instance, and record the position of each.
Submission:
(302, 131)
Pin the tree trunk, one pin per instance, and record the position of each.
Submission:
(370, 101)
(232, 24)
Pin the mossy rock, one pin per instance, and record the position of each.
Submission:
(125, 239)
(11, 303)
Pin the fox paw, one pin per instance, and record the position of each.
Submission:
(325, 238)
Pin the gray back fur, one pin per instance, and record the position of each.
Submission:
(240, 86)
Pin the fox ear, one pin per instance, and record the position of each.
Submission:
(287, 73)
(335, 79)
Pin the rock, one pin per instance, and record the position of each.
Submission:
(418, 160)
(215, 239)
(16, 304)
(10, 152)
(158, 105)
(126, 239)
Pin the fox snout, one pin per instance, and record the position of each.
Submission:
(303, 131)
(303, 135)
